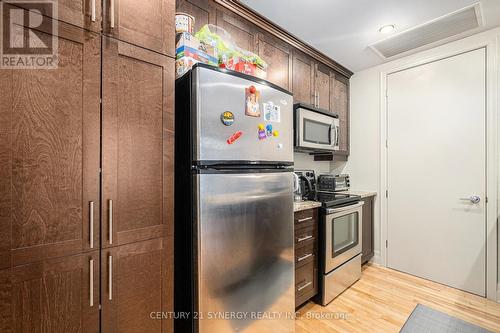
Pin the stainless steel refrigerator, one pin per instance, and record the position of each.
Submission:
(234, 262)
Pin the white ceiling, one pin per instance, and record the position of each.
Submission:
(343, 29)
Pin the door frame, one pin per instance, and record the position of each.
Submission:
(490, 41)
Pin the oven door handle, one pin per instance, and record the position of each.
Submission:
(330, 211)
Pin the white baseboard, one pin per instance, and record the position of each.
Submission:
(376, 259)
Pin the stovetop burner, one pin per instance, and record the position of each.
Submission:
(333, 199)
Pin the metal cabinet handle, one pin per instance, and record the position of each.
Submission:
(303, 239)
(91, 224)
(91, 275)
(304, 257)
(110, 220)
(475, 199)
(304, 219)
(305, 285)
(110, 277)
(318, 100)
(112, 13)
(92, 15)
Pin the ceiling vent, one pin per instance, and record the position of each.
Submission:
(440, 29)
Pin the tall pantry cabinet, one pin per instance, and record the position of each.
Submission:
(86, 175)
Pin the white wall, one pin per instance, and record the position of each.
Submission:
(365, 137)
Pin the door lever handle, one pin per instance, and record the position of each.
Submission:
(475, 199)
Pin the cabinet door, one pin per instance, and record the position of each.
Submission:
(303, 78)
(81, 13)
(57, 296)
(202, 10)
(339, 104)
(49, 153)
(137, 280)
(322, 87)
(242, 32)
(137, 139)
(278, 57)
(148, 23)
(367, 241)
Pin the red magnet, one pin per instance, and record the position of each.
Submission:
(252, 89)
(234, 137)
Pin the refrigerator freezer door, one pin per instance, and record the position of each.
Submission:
(245, 260)
(217, 92)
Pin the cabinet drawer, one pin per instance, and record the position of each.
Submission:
(305, 280)
(305, 236)
(305, 255)
(305, 218)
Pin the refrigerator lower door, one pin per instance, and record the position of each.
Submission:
(245, 264)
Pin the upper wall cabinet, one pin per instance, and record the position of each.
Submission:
(322, 87)
(49, 153)
(303, 78)
(137, 132)
(82, 13)
(277, 54)
(147, 23)
(242, 32)
(200, 10)
(339, 104)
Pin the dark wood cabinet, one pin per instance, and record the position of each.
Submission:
(322, 87)
(136, 281)
(203, 11)
(137, 125)
(150, 25)
(51, 182)
(81, 13)
(303, 73)
(49, 154)
(367, 237)
(242, 32)
(57, 295)
(278, 57)
(306, 255)
(339, 104)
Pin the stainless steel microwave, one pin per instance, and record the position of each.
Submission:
(315, 130)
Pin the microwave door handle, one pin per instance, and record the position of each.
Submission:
(330, 132)
(337, 129)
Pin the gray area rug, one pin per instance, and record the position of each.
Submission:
(426, 320)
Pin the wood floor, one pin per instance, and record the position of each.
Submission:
(382, 300)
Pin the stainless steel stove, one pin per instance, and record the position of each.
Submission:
(340, 242)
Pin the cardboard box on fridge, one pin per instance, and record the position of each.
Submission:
(185, 40)
(240, 65)
(183, 65)
(200, 56)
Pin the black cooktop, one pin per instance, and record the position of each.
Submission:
(332, 199)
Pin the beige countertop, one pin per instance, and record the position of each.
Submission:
(303, 205)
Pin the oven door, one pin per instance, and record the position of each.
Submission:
(342, 227)
(316, 131)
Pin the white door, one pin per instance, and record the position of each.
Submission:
(436, 159)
